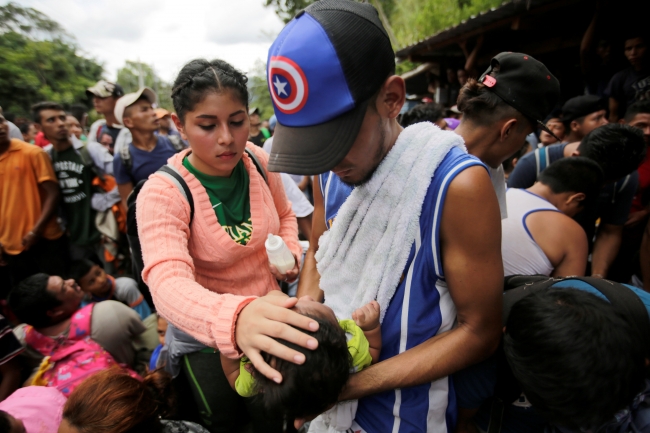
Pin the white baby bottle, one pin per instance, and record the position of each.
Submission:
(279, 254)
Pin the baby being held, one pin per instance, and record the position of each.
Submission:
(344, 347)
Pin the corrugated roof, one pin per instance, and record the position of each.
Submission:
(506, 10)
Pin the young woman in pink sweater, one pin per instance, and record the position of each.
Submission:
(212, 279)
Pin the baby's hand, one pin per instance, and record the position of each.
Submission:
(367, 317)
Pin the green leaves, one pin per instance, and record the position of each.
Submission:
(39, 61)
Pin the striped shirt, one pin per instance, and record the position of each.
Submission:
(420, 309)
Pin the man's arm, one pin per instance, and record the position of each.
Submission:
(606, 246)
(50, 192)
(562, 240)
(309, 283)
(471, 251)
(125, 189)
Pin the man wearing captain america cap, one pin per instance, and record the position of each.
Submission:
(412, 220)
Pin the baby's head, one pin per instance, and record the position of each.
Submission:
(90, 277)
(312, 387)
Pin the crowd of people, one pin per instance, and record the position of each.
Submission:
(476, 264)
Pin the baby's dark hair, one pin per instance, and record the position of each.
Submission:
(80, 269)
(199, 77)
(309, 388)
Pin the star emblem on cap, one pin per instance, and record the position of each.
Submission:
(279, 87)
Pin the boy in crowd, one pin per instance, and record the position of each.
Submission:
(105, 95)
(547, 338)
(76, 165)
(626, 263)
(31, 240)
(554, 124)
(29, 132)
(619, 150)
(148, 151)
(581, 115)
(539, 237)
(99, 286)
(257, 134)
(631, 84)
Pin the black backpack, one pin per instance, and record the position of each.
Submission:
(516, 288)
(132, 225)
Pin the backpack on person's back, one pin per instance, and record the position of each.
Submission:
(72, 358)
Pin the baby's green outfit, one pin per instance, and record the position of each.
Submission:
(358, 347)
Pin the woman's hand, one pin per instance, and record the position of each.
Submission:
(267, 318)
(290, 276)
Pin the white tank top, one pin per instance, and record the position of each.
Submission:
(521, 254)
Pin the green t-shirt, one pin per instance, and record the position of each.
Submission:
(230, 200)
(76, 189)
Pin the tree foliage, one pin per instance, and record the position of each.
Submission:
(129, 78)
(287, 9)
(258, 90)
(414, 20)
(40, 61)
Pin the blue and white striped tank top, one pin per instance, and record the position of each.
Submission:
(420, 309)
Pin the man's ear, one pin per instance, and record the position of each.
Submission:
(126, 121)
(576, 198)
(391, 97)
(575, 153)
(507, 128)
(38, 127)
(574, 126)
(179, 126)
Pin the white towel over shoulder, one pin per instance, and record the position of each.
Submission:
(361, 258)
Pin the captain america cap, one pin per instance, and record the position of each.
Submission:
(322, 71)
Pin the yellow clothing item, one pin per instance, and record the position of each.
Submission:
(22, 168)
(358, 347)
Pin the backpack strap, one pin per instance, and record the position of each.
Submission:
(174, 175)
(624, 299)
(39, 342)
(80, 323)
(258, 164)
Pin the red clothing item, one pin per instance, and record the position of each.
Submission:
(40, 140)
(644, 184)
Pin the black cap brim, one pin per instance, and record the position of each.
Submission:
(312, 150)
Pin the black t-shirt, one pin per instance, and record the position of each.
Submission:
(629, 86)
(258, 140)
(113, 132)
(613, 204)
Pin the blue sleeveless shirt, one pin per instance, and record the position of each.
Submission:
(420, 309)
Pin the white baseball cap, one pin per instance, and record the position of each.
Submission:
(130, 99)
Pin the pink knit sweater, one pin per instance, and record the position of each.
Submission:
(200, 278)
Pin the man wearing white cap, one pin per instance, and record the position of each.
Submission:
(147, 151)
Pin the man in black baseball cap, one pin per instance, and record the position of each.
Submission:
(583, 114)
(508, 102)
(336, 98)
